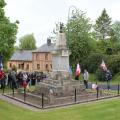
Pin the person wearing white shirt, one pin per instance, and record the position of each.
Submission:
(86, 78)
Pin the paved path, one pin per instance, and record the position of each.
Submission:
(18, 103)
(104, 86)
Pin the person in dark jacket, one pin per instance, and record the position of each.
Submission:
(108, 77)
(9, 84)
(13, 79)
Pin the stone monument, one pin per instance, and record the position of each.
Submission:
(59, 83)
(60, 57)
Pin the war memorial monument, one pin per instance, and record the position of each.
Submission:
(60, 82)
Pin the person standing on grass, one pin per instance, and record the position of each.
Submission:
(86, 78)
(108, 77)
(13, 78)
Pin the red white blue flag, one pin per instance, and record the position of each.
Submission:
(78, 70)
(103, 65)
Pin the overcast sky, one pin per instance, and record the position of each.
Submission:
(39, 16)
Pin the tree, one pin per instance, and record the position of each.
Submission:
(79, 37)
(115, 39)
(8, 33)
(116, 30)
(103, 26)
(16, 48)
(27, 42)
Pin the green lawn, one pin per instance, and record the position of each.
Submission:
(101, 110)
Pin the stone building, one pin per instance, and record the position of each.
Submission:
(42, 57)
(22, 59)
(38, 60)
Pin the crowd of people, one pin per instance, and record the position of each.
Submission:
(20, 79)
(23, 79)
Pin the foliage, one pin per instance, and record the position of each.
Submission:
(114, 63)
(93, 61)
(16, 48)
(116, 78)
(79, 36)
(104, 46)
(27, 42)
(116, 29)
(88, 46)
(108, 34)
(8, 33)
(103, 26)
(100, 75)
(116, 48)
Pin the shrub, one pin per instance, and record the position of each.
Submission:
(114, 63)
(116, 48)
(100, 75)
(93, 61)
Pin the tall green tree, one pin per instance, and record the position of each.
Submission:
(116, 30)
(79, 37)
(103, 26)
(27, 42)
(8, 31)
(115, 39)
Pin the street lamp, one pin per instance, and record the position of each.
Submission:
(69, 11)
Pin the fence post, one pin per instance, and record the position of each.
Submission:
(97, 92)
(91, 85)
(25, 85)
(24, 94)
(75, 96)
(3, 89)
(13, 91)
(118, 88)
(42, 100)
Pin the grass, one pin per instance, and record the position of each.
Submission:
(6, 90)
(102, 110)
(116, 78)
(31, 88)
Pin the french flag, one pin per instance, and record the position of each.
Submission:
(78, 70)
(103, 65)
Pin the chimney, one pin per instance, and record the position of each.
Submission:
(48, 41)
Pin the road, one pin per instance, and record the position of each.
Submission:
(104, 86)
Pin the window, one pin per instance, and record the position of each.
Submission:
(22, 66)
(38, 66)
(46, 56)
(27, 67)
(46, 66)
(37, 56)
(19, 66)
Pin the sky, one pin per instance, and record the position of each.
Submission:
(39, 16)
